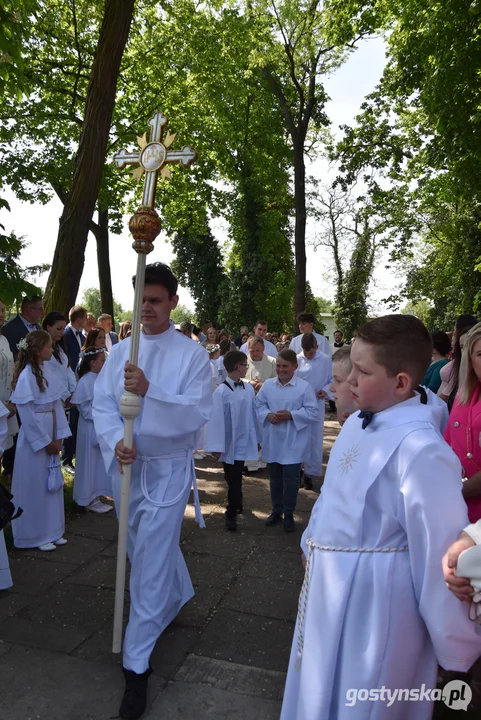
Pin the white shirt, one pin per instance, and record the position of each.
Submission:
(233, 429)
(269, 349)
(287, 442)
(323, 342)
(108, 342)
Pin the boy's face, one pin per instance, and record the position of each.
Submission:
(285, 370)
(341, 390)
(371, 387)
(310, 354)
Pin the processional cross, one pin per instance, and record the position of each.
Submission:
(153, 157)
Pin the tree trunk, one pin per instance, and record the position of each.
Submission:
(68, 261)
(103, 261)
(300, 227)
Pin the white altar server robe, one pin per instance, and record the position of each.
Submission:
(5, 577)
(318, 373)
(64, 373)
(372, 619)
(43, 518)
(323, 343)
(91, 478)
(233, 428)
(287, 442)
(269, 348)
(176, 406)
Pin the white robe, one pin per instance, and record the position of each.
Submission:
(373, 619)
(43, 518)
(287, 442)
(323, 343)
(5, 577)
(91, 478)
(176, 406)
(261, 369)
(318, 373)
(269, 348)
(233, 429)
(64, 373)
(6, 375)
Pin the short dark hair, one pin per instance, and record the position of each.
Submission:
(26, 301)
(306, 317)
(76, 312)
(260, 322)
(441, 342)
(309, 341)
(160, 274)
(465, 321)
(401, 344)
(104, 316)
(288, 355)
(339, 331)
(233, 358)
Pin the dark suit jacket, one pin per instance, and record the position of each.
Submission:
(114, 337)
(71, 346)
(14, 330)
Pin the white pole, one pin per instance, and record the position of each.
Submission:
(129, 409)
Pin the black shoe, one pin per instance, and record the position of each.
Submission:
(231, 523)
(239, 510)
(289, 524)
(134, 701)
(307, 482)
(274, 519)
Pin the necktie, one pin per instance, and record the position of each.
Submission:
(366, 416)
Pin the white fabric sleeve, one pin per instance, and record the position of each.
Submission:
(309, 412)
(432, 511)
(36, 438)
(85, 410)
(62, 426)
(474, 531)
(3, 428)
(215, 428)
(166, 415)
(262, 405)
(108, 422)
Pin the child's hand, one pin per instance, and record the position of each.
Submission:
(216, 455)
(458, 586)
(13, 410)
(321, 395)
(283, 415)
(273, 419)
(54, 447)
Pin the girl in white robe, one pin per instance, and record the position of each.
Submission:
(91, 479)
(37, 481)
(5, 577)
(54, 323)
(315, 367)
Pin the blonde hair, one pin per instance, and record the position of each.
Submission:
(467, 377)
(343, 355)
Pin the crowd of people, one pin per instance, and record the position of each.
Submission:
(399, 512)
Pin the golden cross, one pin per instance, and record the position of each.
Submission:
(154, 156)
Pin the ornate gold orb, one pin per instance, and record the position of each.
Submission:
(144, 226)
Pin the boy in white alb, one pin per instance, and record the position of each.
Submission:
(286, 407)
(315, 367)
(233, 433)
(374, 610)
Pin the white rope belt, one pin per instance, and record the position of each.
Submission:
(189, 474)
(302, 607)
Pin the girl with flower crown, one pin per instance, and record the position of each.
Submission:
(37, 481)
(91, 479)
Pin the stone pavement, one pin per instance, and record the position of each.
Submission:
(225, 655)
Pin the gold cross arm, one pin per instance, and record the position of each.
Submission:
(154, 156)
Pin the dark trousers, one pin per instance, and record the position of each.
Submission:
(233, 477)
(8, 458)
(69, 445)
(285, 481)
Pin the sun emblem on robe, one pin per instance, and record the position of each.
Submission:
(348, 459)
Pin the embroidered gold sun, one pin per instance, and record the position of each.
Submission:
(348, 459)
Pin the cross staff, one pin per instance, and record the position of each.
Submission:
(144, 226)
(154, 156)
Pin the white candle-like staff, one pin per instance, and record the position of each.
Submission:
(152, 158)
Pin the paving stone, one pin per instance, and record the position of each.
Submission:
(78, 551)
(237, 678)
(181, 701)
(276, 540)
(198, 610)
(34, 575)
(233, 545)
(275, 565)
(100, 572)
(11, 603)
(247, 639)
(212, 570)
(67, 605)
(40, 635)
(110, 550)
(102, 527)
(248, 595)
(5, 647)
(51, 686)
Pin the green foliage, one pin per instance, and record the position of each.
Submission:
(422, 309)
(314, 306)
(91, 302)
(15, 32)
(182, 314)
(325, 306)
